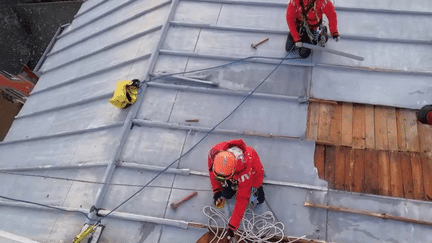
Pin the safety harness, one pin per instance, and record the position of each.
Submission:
(305, 26)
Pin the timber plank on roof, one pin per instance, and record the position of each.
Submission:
(369, 127)
(349, 170)
(336, 125)
(384, 173)
(358, 170)
(396, 179)
(319, 160)
(325, 111)
(392, 130)
(381, 128)
(407, 175)
(412, 137)
(329, 166)
(358, 124)
(427, 173)
(312, 133)
(418, 187)
(347, 113)
(425, 137)
(340, 168)
(371, 172)
(401, 129)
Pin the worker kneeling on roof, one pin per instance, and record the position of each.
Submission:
(305, 22)
(235, 168)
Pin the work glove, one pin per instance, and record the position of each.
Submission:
(336, 37)
(299, 44)
(216, 197)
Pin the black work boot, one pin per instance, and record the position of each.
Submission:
(304, 52)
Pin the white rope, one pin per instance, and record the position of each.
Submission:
(254, 227)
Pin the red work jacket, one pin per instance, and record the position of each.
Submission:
(249, 173)
(294, 16)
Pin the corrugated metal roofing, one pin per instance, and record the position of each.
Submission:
(68, 129)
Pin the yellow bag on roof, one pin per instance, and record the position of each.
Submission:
(125, 94)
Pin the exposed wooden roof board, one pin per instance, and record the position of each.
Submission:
(372, 149)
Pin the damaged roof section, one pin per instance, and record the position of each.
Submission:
(80, 151)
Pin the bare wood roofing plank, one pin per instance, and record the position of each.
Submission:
(384, 173)
(336, 125)
(417, 175)
(330, 158)
(340, 168)
(312, 133)
(412, 137)
(371, 172)
(407, 175)
(425, 137)
(324, 122)
(359, 170)
(427, 176)
(396, 178)
(349, 169)
(381, 139)
(347, 113)
(369, 127)
(319, 160)
(392, 129)
(359, 126)
(401, 129)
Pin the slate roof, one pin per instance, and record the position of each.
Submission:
(67, 135)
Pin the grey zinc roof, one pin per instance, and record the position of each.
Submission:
(67, 136)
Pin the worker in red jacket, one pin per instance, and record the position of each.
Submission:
(235, 168)
(304, 19)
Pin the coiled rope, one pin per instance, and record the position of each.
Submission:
(253, 228)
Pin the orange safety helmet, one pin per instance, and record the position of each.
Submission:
(224, 165)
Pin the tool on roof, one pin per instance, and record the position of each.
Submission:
(92, 232)
(126, 93)
(175, 205)
(254, 45)
(192, 120)
(198, 79)
(344, 54)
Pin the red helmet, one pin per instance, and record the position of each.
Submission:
(224, 164)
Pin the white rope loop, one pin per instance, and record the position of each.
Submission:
(254, 227)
